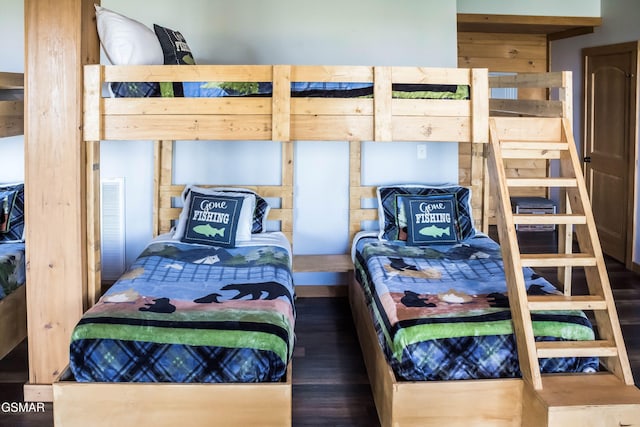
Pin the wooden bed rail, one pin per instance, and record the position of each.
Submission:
(281, 117)
(556, 100)
(11, 104)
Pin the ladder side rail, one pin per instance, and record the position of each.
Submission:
(516, 288)
(607, 323)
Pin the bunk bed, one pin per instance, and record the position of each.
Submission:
(13, 317)
(283, 117)
(414, 356)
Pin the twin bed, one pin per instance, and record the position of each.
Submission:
(174, 285)
(13, 318)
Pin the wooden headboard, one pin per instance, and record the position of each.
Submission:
(165, 211)
(11, 104)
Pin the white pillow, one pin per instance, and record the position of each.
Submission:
(245, 221)
(126, 41)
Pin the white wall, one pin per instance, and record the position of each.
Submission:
(362, 32)
(619, 24)
(12, 60)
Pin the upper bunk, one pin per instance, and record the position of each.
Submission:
(282, 116)
(11, 104)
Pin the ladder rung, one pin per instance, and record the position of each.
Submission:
(549, 219)
(534, 145)
(542, 182)
(557, 260)
(562, 302)
(598, 348)
(532, 149)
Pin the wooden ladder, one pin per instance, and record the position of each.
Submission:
(551, 138)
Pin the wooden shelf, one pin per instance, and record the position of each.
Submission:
(555, 27)
(322, 263)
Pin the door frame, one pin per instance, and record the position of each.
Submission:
(632, 48)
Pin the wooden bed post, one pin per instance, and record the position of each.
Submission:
(60, 37)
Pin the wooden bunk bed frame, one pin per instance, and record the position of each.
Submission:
(279, 118)
(565, 400)
(284, 119)
(13, 308)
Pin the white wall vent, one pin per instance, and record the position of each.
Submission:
(112, 228)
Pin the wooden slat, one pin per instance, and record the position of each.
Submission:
(197, 127)
(11, 80)
(523, 107)
(382, 104)
(556, 260)
(186, 73)
(431, 107)
(281, 97)
(541, 182)
(528, 80)
(322, 73)
(436, 129)
(562, 302)
(549, 219)
(187, 106)
(332, 106)
(548, 349)
(328, 263)
(430, 75)
(534, 145)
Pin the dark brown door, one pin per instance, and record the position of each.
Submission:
(609, 143)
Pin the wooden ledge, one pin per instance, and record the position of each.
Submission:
(322, 263)
(554, 27)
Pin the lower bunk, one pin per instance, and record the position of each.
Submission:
(197, 331)
(426, 319)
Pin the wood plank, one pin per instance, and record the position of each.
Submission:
(186, 106)
(322, 263)
(600, 348)
(281, 97)
(13, 320)
(197, 127)
(55, 174)
(11, 80)
(107, 404)
(527, 24)
(382, 104)
(562, 302)
(556, 260)
(187, 73)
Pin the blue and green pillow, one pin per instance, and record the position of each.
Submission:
(12, 213)
(393, 214)
(176, 51)
(212, 220)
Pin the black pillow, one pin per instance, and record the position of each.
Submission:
(176, 51)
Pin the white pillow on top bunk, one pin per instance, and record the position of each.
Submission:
(126, 41)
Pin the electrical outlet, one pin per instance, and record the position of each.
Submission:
(421, 151)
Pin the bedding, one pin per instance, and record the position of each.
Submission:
(12, 267)
(186, 312)
(441, 311)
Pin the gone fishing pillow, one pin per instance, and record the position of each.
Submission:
(431, 219)
(215, 218)
(392, 215)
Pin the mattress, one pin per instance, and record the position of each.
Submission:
(298, 89)
(441, 311)
(192, 313)
(12, 267)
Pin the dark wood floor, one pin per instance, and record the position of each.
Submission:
(330, 385)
